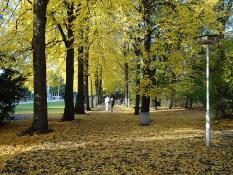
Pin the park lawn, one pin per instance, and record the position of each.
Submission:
(53, 107)
(114, 143)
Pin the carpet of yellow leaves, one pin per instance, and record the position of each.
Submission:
(114, 143)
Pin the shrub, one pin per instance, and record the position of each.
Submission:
(11, 91)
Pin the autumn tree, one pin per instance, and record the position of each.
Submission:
(40, 117)
(220, 88)
(80, 98)
(138, 54)
(83, 60)
(68, 38)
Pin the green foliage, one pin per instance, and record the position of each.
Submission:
(11, 90)
(56, 89)
(228, 63)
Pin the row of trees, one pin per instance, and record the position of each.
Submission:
(143, 46)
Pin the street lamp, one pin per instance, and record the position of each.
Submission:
(206, 40)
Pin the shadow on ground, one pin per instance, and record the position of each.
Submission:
(114, 143)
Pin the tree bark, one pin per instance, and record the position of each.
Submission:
(171, 105)
(69, 98)
(138, 53)
(86, 79)
(92, 96)
(156, 103)
(40, 117)
(137, 100)
(145, 109)
(80, 99)
(190, 103)
(187, 102)
(147, 60)
(87, 94)
(126, 69)
(146, 102)
(97, 88)
(100, 92)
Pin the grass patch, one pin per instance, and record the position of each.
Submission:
(53, 107)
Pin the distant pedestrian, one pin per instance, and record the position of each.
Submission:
(112, 100)
(107, 101)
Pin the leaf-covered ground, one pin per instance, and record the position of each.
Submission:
(114, 143)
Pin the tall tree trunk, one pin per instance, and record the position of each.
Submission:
(173, 91)
(86, 79)
(126, 69)
(100, 89)
(97, 88)
(156, 103)
(191, 103)
(145, 109)
(171, 105)
(87, 94)
(40, 117)
(138, 53)
(69, 87)
(69, 98)
(100, 92)
(147, 60)
(137, 100)
(80, 99)
(187, 102)
(146, 102)
(92, 96)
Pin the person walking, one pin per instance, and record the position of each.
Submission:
(112, 100)
(107, 101)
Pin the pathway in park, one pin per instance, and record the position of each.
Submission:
(22, 117)
(114, 143)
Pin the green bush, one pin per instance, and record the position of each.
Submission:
(11, 91)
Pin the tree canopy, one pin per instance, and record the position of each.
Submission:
(112, 37)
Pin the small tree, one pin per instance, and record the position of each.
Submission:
(11, 91)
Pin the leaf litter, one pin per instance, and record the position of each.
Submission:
(114, 143)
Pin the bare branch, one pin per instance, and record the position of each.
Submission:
(53, 43)
(59, 28)
(30, 2)
(7, 4)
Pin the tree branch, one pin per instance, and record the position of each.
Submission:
(30, 2)
(7, 4)
(53, 43)
(60, 29)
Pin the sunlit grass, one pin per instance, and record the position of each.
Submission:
(53, 107)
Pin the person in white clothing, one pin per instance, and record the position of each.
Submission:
(107, 100)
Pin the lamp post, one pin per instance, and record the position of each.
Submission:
(206, 40)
